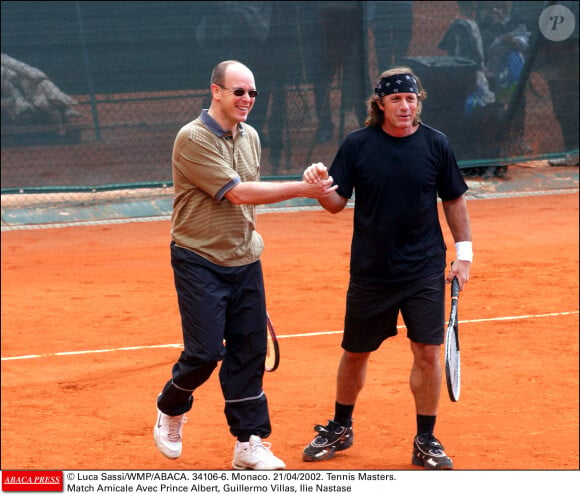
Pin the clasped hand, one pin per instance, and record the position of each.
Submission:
(316, 173)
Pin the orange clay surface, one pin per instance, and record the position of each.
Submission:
(95, 310)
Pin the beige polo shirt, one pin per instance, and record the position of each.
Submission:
(208, 162)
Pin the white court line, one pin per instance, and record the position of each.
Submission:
(321, 333)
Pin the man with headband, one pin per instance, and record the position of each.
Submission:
(398, 167)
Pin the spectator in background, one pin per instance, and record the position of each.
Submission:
(558, 62)
(392, 27)
(482, 115)
(284, 70)
(463, 39)
(334, 37)
(505, 41)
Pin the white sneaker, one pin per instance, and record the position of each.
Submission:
(167, 434)
(255, 455)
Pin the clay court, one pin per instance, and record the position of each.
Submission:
(90, 330)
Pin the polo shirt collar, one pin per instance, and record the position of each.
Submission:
(215, 127)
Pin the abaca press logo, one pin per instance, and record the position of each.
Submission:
(31, 481)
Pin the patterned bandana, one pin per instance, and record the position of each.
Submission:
(398, 83)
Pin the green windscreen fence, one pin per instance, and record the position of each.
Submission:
(93, 93)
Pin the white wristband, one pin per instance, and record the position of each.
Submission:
(464, 251)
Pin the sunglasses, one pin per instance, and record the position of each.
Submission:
(252, 93)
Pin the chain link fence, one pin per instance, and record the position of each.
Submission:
(93, 93)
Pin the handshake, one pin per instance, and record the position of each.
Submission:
(315, 173)
(319, 183)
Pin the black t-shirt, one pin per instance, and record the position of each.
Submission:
(396, 180)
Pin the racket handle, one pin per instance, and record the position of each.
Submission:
(455, 288)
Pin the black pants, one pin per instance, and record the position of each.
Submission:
(223, 315)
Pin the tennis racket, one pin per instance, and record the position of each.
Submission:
(452, 355)
(273, 349)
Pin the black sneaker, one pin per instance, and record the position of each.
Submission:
(330, 439)
(428, 452)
